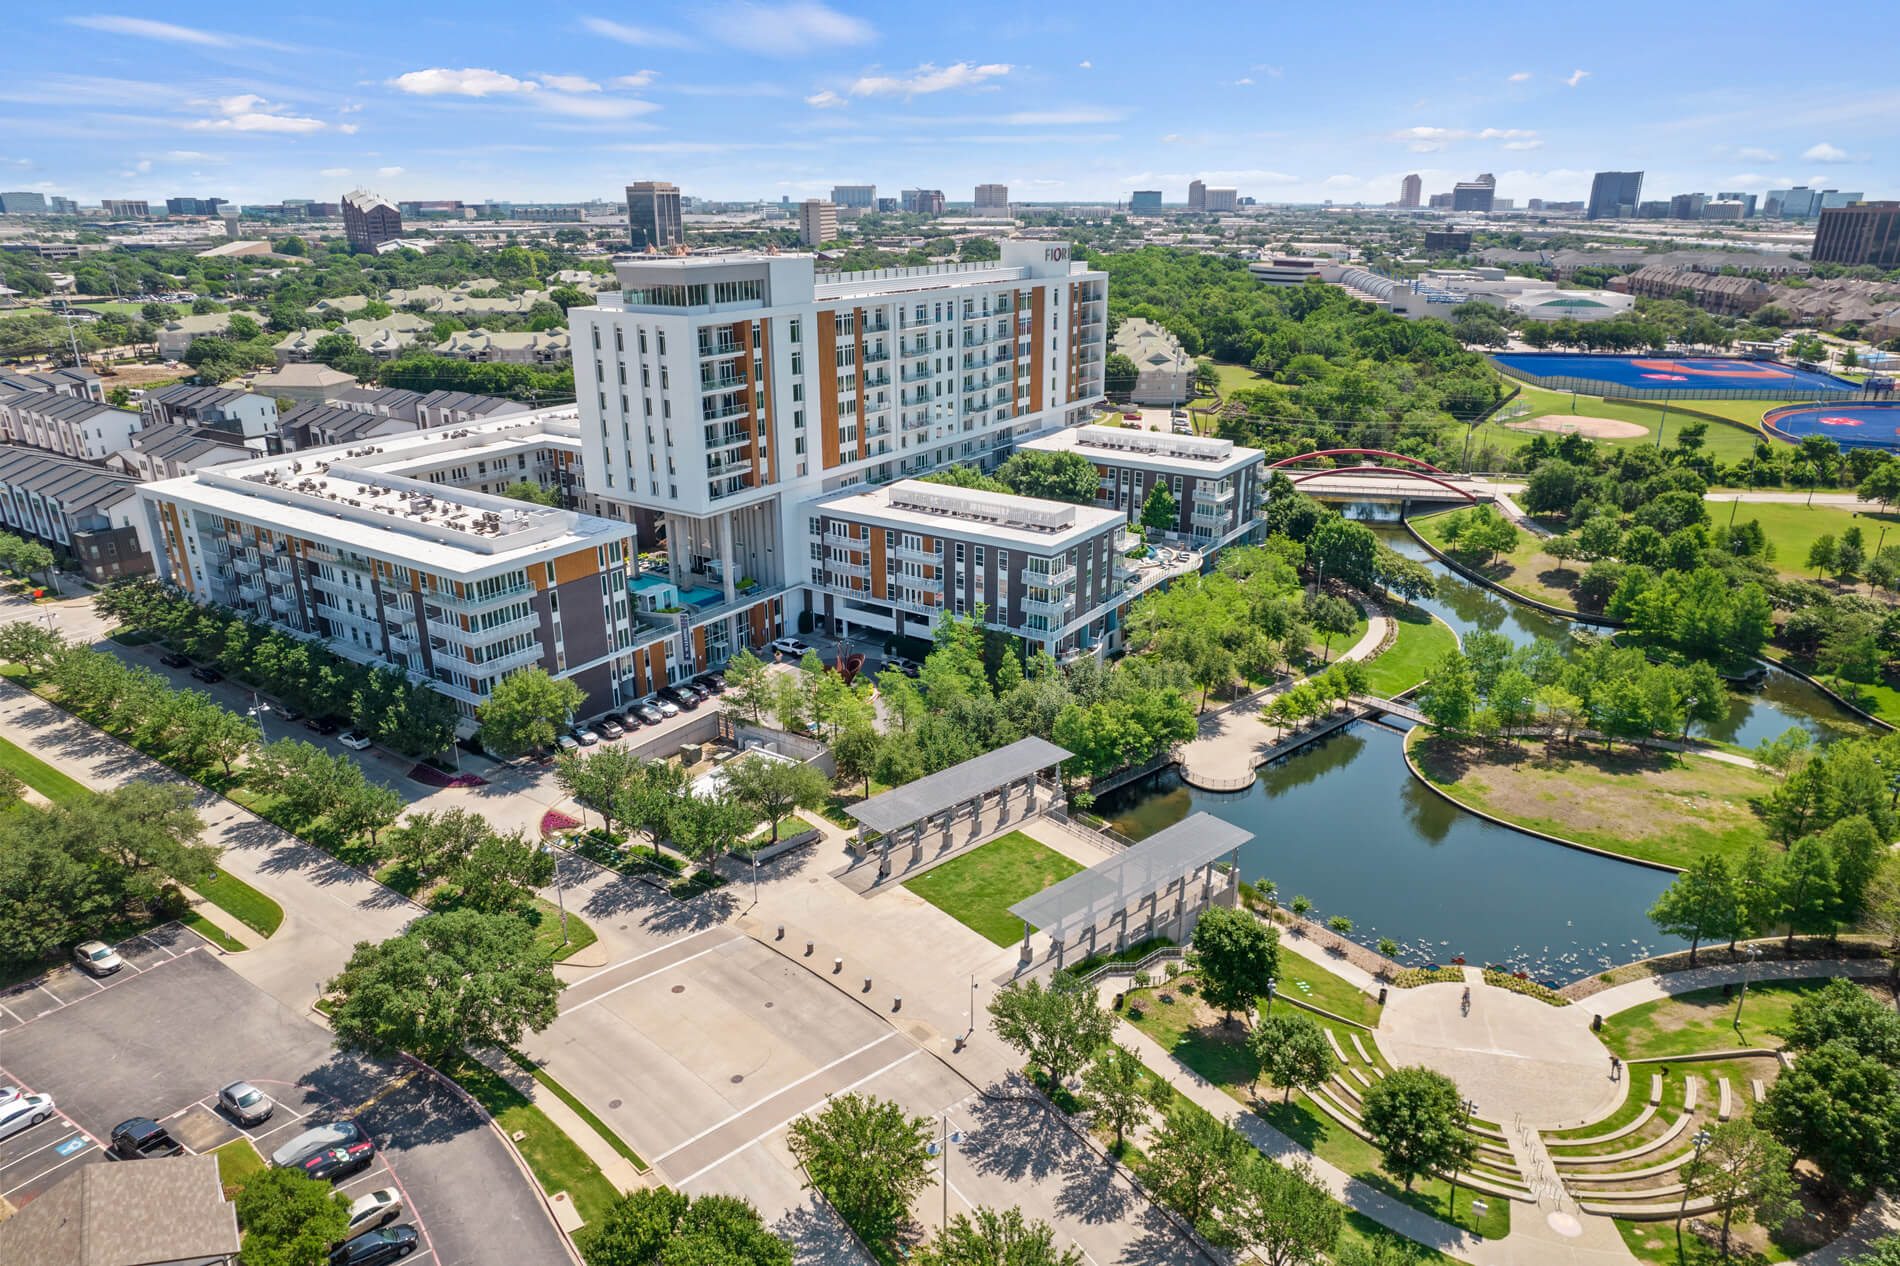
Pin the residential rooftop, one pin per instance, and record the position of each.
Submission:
(1199, 455)
(942, 509)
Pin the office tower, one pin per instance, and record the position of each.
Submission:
(817, 222)
(1145, 202)
(1197, 196)
(653, 215)
(992, 200)
(854, 196)
(1864, 233)
(1615, 194)
(369, 219)
(1409, 190)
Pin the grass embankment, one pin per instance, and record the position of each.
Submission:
(1638, 803)
(579, 1109)
(1526, 570)
(1423, 639)
(242, 902)
(1729, 443)
(556, 1160)
(1793, 528)
(1655, 1242)
(1705, 1020)
(1197, 1037)
(978, 888)
(237, 1161)
(42, 777)
(1303, 980)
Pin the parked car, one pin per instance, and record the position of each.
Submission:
(321, 725)
(97, 957)
(287, 713)
(712, 682)
(327, 1151)
(246, 1104)
(628, 720)
(566, 743)
(1133, 415)
(355, 740)
(790, 646)
(24, 1111)
(610, 728)
(908, 667)
(175, 660)
(666, 707)
(684, 699)
(207, 674)
(142, 1138)
(647, 713)
(375, 1248)
(378, 1208)
(584, 736)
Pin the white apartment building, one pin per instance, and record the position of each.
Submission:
(817, 222)
(76, 426)
(1218, 486)
(720, 394)
(403, 552)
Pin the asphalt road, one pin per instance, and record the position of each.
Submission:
(159, 1039)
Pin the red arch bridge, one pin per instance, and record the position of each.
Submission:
(1412, 479)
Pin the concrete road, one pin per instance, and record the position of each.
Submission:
(160, 1041)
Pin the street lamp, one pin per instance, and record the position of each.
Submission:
(1701, 1140)
(560, 896)
(257, 710)
(972, 1029)
(1754, 956)
(941, 1149)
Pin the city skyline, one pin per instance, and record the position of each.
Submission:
(790, 99)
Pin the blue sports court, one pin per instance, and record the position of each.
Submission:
(1849, 425)
(1683, 377)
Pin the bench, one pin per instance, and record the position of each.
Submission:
(1691, 1082)
(1761, 1094)
(1724, 1107)
(1337, 1048)
(1655, 1087)
(1358, 1046)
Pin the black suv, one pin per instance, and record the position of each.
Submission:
(142, 1138)
(175, 660)
(207, 674)
(686, 699)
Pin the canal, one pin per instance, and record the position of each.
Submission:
(1343, 823)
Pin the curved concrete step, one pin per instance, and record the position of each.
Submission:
(1683, 1122)
(1624, 1175)
(1641, 1119)
(1652, 1212)
(1647, 1193)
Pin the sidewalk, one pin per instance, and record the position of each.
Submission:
(1655, 988)
(617, 1169)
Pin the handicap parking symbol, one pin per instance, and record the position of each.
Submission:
(71, 1145)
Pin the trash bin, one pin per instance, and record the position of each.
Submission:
(1596, 1024)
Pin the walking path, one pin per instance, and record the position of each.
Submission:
(1654, 988)
(1233, 741)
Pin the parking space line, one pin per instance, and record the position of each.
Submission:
(60, 1004)
(36, 1151)
(648, 976)
(146, 936)
(10, 1011)
(35, 1178)
(788, 1120)
(775, 1094)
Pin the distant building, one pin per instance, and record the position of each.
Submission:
(1746, 199)
(1197, 196)
(73, 506)
(249, 413)
(1686, 206)
(1615, 195)
(1409, 190)
(22, 203)
(1145, 202)
(1657, 209)
(175, 337)
(653, 215)
(1290, 271)
(1724, 296)
(923, 201)
(992, 200)
(369, 220)
(1722, 209)
(817, 222)
(1216, 484)
(1439, 202)
(1865, 233)
(193, 206)
(1454, 242)
(1223, 200)
(62, 206)
(77, 426)
(126, 208)
(1836, 198)
(1164, 372)
(1475, 195)
(305, 383)
(854, 195)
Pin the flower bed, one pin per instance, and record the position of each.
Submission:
(1526, 986)
(553, 822)
(1411, 977)
(430, 776)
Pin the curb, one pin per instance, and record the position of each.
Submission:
(1512, 595)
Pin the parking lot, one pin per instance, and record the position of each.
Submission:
(160, 1037)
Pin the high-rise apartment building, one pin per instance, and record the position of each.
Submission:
(60, 205)
(126, 208)
(817, 222)
(1197, 196)
(1864, 233)
(923, 201)
(721, 396)
(653, 215)
(854, 195)
(1410, 190)
(1145, 202)
(1615, 195)
(992, 200)
(369, 220)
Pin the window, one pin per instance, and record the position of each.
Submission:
(792, 329)
(643, 342)
(798, 362)
(738, 291)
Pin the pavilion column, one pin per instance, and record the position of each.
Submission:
(1026, 959)
(1056, 948)
(1121, 935)
(916, 843)
(976, 818)
(1032, 792)
(1002, 804)
(884, 856)
(1230, 896)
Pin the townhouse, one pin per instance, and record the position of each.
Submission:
(77, 508)
(76, 426)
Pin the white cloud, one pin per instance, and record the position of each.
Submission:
(1506, 134)
(790, 30)
(348, 109)
(1271, 72)
(928, 78)
(1242, 82)
(593, 107)
(470, 81)
(640, 79)
(637, 35)
(389, 171)
(1055, 118)
(826, 100)
(189, 156)
(1755, 154)
(153, 30)
(568, 83)
(1523, 145)
(1825, 153)
(334, 173)
(1522, 76)
(1088, 65)
(1577, 77)
(1428, 140)
(249, 112)
(349, 129)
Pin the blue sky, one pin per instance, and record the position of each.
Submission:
(758, 98)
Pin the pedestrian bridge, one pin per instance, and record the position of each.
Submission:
(1391, 707)
(1384, 483)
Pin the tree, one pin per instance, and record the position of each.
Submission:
(29, 643)
(526, 710)
(1235, 955)
(1806, 889)
(868, 1157)
(1064, 476)
(1293, 1051)
(653, 1226)
(1701, 904)
(461, 978)
(1884, 1251)
(1449, 697)
(1333, 616)
(702, 827)
(748, 691)
(1117, 1090)
(775, 789)
(1821, 554)
(985, 1237)
(856, 751)
(599, 779)
(437, 843)
(1415, 1119)
(1744, 1170)
(1193, 1162)
(500, 874)
(1282, 1213)
(1056, 1027)
(215, 734)
(1842, 1011)
(1839, 1109)
(365, 808)
(290, 1218)
(1160, 513)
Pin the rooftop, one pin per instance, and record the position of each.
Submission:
(936, 508)
(1189, 454)
(915, 801)
(1121, 882)
(170, 1210)
(73, 484)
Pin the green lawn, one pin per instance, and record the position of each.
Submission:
(242, 902)
(125, 309)
(1526, 569)
(1422, 641)
(1794, 528)
(558, 1163)
(1656, 1242)
(1234, 377)
(978, 888)
(1725, 443)
(1325, 990)
(42, 777)
(212, 932)
(1635, 802)
(547, 930)
(237, 1161)
(1702, 1021)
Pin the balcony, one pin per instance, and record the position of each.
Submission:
(727, 437)
(834, 568)
(883, 326)
(1211, 514)
(739, 410)
(1051, 609)
(251, 593)
(526, 656)
(446, 598)
(453, 632)
(1054, 578)
(915, 554)
(876, 358)
(722, 384)
(719, 468)
(402, 643)
(281, 604)
(278, 574)
(882, 378)
(246, 566)
(720, 347)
